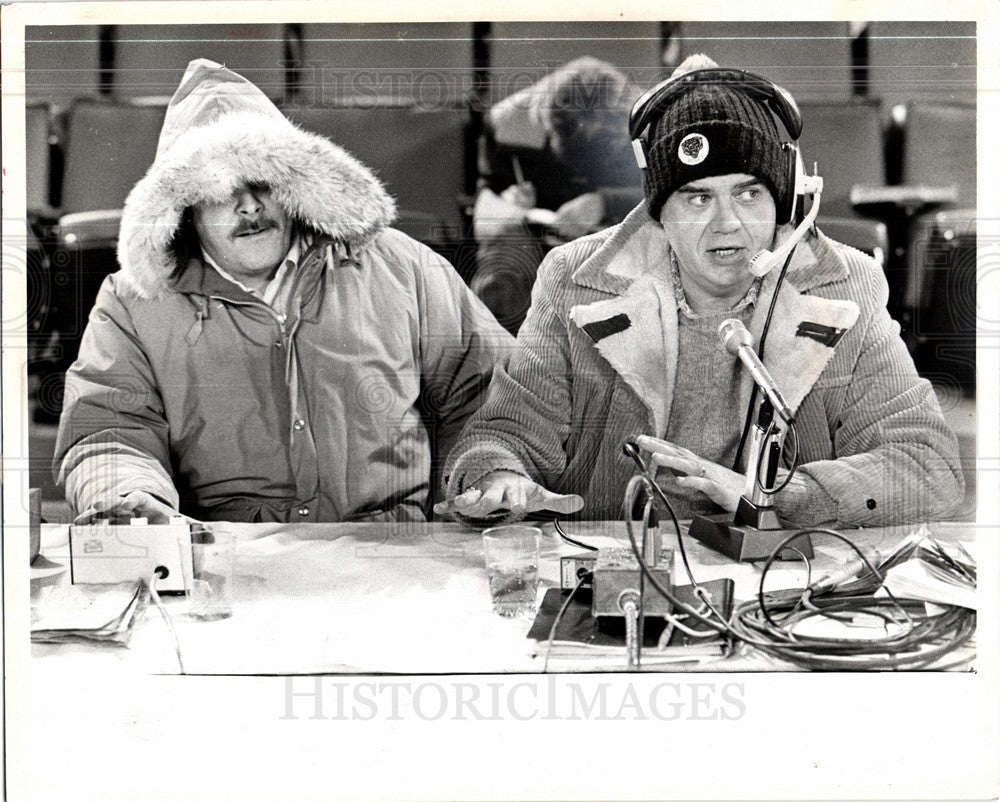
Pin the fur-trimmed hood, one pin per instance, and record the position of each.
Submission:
(221, 131)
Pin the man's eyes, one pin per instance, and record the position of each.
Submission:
(704, 198)
(746, 195)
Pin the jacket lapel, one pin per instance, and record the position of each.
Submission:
(635, 327)
(802, 336)
(628, 331)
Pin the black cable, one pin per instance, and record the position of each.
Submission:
(909, 649)
(647, 511)
(558, 618)
(578, 543)
(760, 354)
(922, 641)
(792, 468)
(722, 625)
(947, 631)
(790, 539)
(633, 451)
(803, 597)
(666, 593)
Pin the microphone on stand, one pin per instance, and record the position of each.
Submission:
(737, 341)
(754, 531)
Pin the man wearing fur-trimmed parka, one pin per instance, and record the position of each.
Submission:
(270, 350)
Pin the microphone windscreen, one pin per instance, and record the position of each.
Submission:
(733, 334)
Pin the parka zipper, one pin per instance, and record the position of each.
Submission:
(260, 305)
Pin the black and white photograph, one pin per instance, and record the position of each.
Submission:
(500, 369)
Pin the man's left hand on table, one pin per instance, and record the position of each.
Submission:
(720, 484)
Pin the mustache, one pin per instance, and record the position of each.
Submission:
(254, 226)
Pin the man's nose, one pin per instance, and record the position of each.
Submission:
(248, 203)
(725, 217)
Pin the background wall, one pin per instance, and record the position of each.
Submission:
(906, 61)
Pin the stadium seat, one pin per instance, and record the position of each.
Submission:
(870, 236)
(418, 153)
(939, 150)
(38, 159)
(109, 146)
(844, 139)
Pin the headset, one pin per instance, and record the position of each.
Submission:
(649, 108)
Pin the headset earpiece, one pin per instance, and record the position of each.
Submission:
(791, 207)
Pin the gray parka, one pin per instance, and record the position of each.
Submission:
(193, 390)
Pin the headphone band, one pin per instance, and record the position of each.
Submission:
(650, 106)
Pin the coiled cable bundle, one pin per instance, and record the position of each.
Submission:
(778, 623)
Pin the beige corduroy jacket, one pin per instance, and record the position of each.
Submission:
(596, 361)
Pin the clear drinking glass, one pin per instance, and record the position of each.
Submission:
(511, 553)
(208, 582)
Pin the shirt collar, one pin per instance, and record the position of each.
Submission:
(682, 305)
(274, 286)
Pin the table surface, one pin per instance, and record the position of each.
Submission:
(393, 598)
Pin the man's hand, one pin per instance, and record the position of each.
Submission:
(579, 216)
(137, 504)
(506, 490)
(496, 216)
(720, 484)
(522, 194)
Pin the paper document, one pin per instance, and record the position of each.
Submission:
(90, 612)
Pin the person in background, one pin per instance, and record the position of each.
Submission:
(555, 164)
(621, 344)
(270, 350)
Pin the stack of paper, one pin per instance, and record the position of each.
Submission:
(569, 656)
(942, 573)
(103, 613)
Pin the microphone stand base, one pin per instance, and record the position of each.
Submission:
(745, 543)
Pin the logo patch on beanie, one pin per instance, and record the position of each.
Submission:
(693, 149)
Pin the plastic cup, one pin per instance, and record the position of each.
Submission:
(511, 553)
(209, 578)
(34, 522)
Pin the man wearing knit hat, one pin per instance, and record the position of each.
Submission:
(621, 344)
(270, 349)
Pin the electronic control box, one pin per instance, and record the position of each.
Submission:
(616, 578)
(106, 553)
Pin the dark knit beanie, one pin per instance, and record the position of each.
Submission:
(710, 130)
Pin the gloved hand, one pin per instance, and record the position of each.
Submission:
(137, 504)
